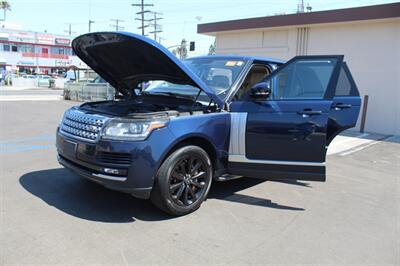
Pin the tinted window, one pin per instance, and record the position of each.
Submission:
(345, 85)
(302, 79)
(6, 47)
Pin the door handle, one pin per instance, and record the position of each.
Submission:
(340, 106)
(308, 113)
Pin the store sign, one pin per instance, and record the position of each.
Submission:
(45, 38)
(4, 36)
(22, 36)
(26, 63)
(63, 63)
(62, 41)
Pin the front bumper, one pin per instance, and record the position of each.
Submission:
(135, 177)
(142, 193)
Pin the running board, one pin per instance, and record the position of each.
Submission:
(227, 177)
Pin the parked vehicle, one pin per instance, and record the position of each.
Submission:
(29, 76)
(44, 80)
(212, 117)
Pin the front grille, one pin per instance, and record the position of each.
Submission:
(81, 125)
(114, 158)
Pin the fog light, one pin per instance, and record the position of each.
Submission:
(111, 171)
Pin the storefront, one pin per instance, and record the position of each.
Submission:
(36, 53)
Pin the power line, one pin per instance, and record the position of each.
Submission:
(142, 5)
(154, 22)
(116, 25)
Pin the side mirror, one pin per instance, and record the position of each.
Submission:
(260, 90)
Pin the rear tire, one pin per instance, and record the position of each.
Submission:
(183, 181)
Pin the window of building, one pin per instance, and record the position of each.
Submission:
(6, 47)
(14, 48)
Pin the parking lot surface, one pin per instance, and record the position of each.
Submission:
(51, 216)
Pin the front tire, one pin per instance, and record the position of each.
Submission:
(183, 181)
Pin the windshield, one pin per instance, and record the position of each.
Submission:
(217, 73)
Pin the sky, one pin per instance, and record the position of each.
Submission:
(180, 17)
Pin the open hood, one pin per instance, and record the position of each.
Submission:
(125, 59)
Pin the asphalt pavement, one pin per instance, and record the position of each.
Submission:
(50, 216)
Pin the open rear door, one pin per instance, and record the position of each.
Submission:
(345, 106)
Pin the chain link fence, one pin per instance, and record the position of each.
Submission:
(88, 92)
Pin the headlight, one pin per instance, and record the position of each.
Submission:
(126, 129)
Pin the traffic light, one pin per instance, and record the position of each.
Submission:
(192, 46)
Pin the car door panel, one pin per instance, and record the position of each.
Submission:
(346, 105)
(292, 127)
(285, 136)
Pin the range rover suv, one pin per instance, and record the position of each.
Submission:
(205, 118)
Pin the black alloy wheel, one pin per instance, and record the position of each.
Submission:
(188, 180)
(183, 181)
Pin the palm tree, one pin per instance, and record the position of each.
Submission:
(212, 48)
(5, 5)
(181, 51)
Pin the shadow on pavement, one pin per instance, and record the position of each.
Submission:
(84, 199)
(227, 191)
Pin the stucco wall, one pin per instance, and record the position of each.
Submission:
(371, 49)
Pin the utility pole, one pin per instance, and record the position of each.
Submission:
(90, 24)
(142, 5)
(116, 25)
(156, 27)
(300, 6)
(69, 31)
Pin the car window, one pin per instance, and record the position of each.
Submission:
(256, 74)
(303, 79)
(345, 86)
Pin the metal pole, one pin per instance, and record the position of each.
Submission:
(155, 26)
(142, 17)
(364, 113)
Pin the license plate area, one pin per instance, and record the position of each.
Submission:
(69, 148)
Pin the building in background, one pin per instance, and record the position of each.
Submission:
(36, 52)
(369, 37)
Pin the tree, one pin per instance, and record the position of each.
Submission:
(5, 5)
(212, 48)
(181, 51)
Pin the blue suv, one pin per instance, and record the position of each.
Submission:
(174, 125)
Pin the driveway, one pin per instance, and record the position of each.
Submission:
(51, 216)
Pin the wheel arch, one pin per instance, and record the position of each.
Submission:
(196, 140)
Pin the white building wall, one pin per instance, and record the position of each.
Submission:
(371, 49)
(279, 43)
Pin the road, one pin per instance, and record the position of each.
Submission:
(51, 216)
(34, 94)
(30, 92)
